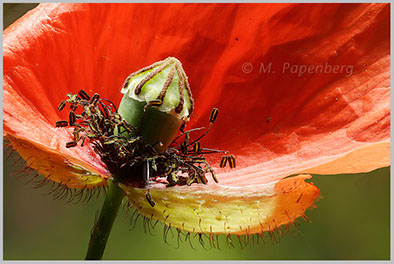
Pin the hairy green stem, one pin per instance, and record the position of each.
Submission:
(102, 228)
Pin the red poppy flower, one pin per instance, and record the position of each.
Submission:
(301, 88)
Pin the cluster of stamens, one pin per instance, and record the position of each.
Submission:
(121, 146)
(188, 157)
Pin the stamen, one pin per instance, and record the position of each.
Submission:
(199, 159)
(191, 179)
(214, 115)
(61, 105)
(61, 123)
(210, 151)
(185, 132)
(76, 136)
(202, 178)
(214, 176)
(111, 103)
(94, 99)
(149, 198)
(87, 111)
(184, 148)
(223, 162)
(231, 161)
(150, 150)
(172, 178)
(84, 95)
(187, 138)
(105, 110)
(71, 118)
(71, 144)
(197, 148)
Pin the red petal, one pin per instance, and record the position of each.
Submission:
(58, 167)
(49, 53)
(318, 122)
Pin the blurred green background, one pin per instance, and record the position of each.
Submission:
(351, 222)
